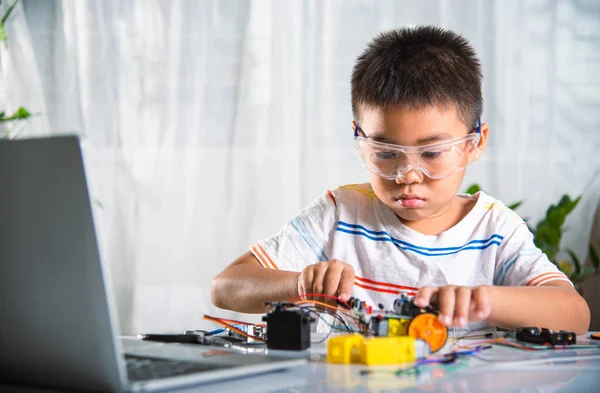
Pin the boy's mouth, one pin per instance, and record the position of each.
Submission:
(411, 201)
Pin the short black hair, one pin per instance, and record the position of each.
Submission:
(418, 67)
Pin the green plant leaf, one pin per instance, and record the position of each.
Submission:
(515, 205)
(548, 232)
(576, 261)
(2, 115)
(8, 11)
(594, 258)
(3, 36)
(474, 188)
(20, 114)
(566, 267)
(547, 238)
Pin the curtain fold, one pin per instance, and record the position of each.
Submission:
(207, 124)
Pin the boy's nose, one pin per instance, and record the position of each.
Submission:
(412, 176)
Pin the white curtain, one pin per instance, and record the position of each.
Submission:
(208, 124)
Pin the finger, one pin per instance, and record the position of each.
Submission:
(446, 300)
(461, 308)
(332, 278)
(424, 296)
(319, 275)
(483, 308)
(331, 281)
(346, 283)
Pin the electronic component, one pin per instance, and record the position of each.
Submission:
(356, 349)
(405, 319)
(389, 325)
(429, 328)
(406, 307)
(288, 328)
(545, 336)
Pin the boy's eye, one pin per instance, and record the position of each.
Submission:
(386, 155)
(431, 154)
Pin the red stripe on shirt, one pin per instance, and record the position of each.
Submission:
(531, 282)
(268, 257)
(332, 197)
(260, 258)
(394, 292)
(385, 284)
(546, 277)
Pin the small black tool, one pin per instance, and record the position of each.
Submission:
(193, 337)
(545, 336)
(171, 338)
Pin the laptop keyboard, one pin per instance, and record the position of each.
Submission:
(141, 368)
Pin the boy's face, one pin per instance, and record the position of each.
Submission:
(415, 196)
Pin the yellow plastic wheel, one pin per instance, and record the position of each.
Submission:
(428, 327)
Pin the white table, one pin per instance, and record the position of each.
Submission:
(500, 369)
(504, 369)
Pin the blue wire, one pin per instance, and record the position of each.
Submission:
(216, 331)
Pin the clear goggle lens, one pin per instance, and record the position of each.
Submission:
(437, 161)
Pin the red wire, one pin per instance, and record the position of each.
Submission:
(235, 321)
(302, 297)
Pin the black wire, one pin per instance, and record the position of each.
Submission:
(341, 320)
(338, 317)
(318, 311)
(326, 337)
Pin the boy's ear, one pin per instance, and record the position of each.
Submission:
(480, 148)
(353, 125)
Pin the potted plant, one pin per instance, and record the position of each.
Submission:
(547, 236)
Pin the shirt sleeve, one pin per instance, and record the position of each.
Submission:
(305, 240)
(520, 262)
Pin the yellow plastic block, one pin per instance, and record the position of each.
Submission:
(398, 327)
(344, 349)
(387, 350)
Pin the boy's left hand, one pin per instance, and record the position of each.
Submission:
(457, 305)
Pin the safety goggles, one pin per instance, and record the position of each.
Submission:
(437, 160)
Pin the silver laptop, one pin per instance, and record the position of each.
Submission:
(57, 319)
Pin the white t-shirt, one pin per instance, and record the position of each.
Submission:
(491, 245)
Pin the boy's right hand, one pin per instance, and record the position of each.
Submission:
(332, 278)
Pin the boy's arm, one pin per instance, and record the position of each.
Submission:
(554, 305)
(245, 285)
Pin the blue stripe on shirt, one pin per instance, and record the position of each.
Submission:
(309, 239)
(501, 274)
(384, 236)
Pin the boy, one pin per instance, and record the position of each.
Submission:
(416, 101)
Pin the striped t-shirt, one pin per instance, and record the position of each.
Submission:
(491, 245)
